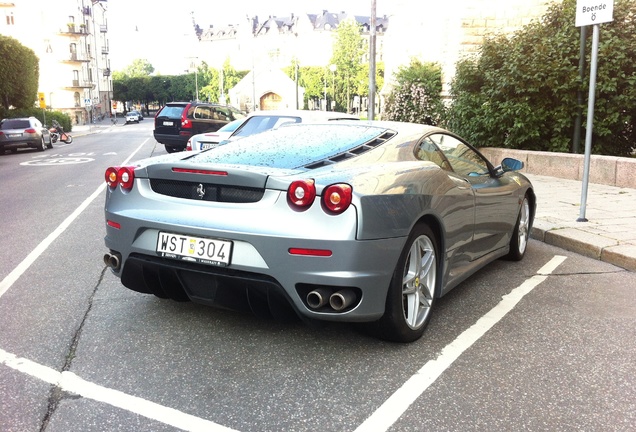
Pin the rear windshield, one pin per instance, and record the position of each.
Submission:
(291, 147)
(15, 124)
(171, 111)
(261, 123)
(231, 126)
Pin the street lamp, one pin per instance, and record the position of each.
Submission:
(333, 68)
(193, 65)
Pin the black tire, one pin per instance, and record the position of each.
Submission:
(521, 233)
(41, 145)
(69, 139)
(50, 144)
(414, 284)
(171, 149)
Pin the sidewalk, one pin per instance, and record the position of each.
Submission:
(610, 232)
(97, 127)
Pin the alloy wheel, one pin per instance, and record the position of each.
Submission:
(418, 282)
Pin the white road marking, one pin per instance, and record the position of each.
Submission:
(10, 279)
(71, 383)
(391, 410)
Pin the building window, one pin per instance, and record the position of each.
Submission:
(10, 18)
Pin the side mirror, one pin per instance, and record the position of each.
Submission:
(510, 164)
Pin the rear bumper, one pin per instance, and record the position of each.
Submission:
(176, 141)
(19, 144)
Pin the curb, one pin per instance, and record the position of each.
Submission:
(587, 244)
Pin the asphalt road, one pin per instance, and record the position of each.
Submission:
(547, 344)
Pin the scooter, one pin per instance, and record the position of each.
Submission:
(57, 133)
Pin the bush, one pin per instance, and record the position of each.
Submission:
(63, 118)
(521, 92)
(417, 95)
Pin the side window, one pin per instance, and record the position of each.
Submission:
(427, 151)
(463, 159)
(202, 112)
(221, 114)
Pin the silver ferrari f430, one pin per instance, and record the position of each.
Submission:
(354, 221)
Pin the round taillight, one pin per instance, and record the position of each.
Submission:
(111, 177)
(301, 193)
(126, 177)
(336, 198)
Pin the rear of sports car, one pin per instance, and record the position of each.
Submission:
(262, 237)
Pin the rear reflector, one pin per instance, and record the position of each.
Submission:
(113, 224)
(310, 252)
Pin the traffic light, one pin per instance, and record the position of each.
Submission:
(42, 101)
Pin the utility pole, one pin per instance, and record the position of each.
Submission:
(371, 106)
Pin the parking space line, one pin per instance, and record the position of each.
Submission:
(397, 404)
(68, 381)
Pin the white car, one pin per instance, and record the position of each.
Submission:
(132, 117)
(261, 121)
(208, 140)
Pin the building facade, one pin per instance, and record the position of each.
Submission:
(71, 42)
(445, 32)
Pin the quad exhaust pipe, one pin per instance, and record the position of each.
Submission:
(338, 301)
(113, 260)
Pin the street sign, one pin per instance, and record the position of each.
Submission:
(42, 101)
(594, 13)
(590, 12)
(88, 102)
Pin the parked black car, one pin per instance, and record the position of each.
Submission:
(176, 122)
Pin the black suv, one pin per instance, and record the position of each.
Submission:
(176, 122)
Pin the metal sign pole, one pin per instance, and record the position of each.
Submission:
(590, 122)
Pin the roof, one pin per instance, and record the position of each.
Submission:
(306, 115)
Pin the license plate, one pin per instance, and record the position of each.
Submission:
(14, 135)
(167, 123)
(208, 146)
(194, 249)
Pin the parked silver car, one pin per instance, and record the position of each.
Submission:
(261, 121)
(343, 221)
(24, 132)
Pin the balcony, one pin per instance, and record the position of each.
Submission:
(84, 84)
(105, 50)
(103, 28)
(76, 58)
(74, 30)
(107, 72)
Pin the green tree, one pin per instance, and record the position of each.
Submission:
(348, 50)
(417, 95)
(139, 68)
(210, 81)
(19, 74)
(310, 78)
(521, 91)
